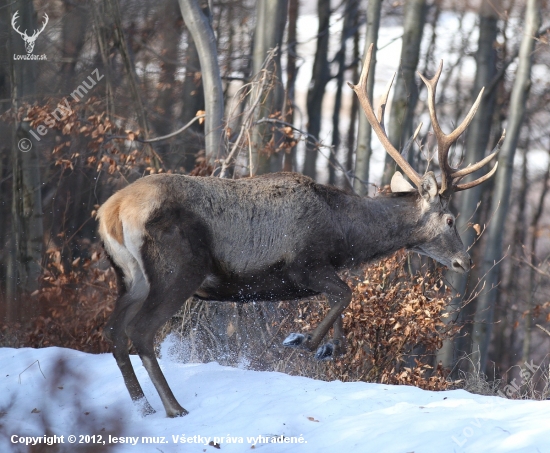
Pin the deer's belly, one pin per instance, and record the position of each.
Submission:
(251, 288)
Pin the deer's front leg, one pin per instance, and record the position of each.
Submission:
(339, 297)
(337, 345)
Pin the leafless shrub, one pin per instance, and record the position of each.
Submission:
(528, 381)
(474, 380)
(394, 326)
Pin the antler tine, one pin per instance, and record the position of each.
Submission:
(478, 181)
(44, 23)
(444, 141)
(466, 121)
(361, 92)
(383, 103)
(410, 141)
(471, 168)
(432, 85)
(13, 20)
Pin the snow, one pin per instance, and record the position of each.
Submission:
(234, 406)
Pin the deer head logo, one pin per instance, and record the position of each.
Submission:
(29, 40)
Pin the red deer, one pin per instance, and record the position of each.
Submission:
(274, 237)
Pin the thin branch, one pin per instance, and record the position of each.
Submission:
(536, 269)
(244, 126)
(156, 139)
(542, 328)
(500, 74)
(36, 361)
(313, 140)
(172, 134)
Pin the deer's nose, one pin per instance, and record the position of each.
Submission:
(461, 265)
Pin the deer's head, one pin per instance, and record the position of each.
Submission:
(440, 239)
(29, 40)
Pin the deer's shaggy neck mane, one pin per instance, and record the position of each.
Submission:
(379, 226)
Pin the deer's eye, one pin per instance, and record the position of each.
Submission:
(450, 221)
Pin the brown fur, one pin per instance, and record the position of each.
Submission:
(133, 205)
(276, 237)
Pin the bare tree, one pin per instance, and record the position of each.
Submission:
(270, 26)
(348, 31)
(477, 140)
(364, 131)
(316, 92)
(27, 230)
(74, 35)
(114, 13)
(200, 28)
(171, 37)
(534, 228)
(291, 73)
(501, 196)
(192, 102)
(405, 95)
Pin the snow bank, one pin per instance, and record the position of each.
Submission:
(84, 395)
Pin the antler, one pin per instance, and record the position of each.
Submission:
(377, 123)
(13, 20)
(44, 23)
(36, 32)
(450, 176)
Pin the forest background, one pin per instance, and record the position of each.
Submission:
(109, 77)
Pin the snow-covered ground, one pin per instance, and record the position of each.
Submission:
(84, 395)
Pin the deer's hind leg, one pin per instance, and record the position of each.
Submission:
(133, 290)
(175, 270)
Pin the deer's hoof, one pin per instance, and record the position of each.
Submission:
(325, 352)
(181, 412)
(144, 407)
(294, 340)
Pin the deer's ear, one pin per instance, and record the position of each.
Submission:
(428, 187)
(400, 184)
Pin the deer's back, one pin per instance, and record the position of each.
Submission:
(247, 224)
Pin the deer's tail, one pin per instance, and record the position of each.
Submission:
(122, 220)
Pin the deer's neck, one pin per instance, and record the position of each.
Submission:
(382, 225)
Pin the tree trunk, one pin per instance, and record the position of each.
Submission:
(364, 131)
(27, 229)
(348, 31)
(74, 34)
(270, 27)
(193, 101)
(533, 261)
(103, 33)
(316, 93)
(501, 196)
(512, 292)
(477, 139)
(5, 151)
(171, 37)
(354, 110)
(289, 163)
(405, 96)
(133, 83)
(200, 28)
